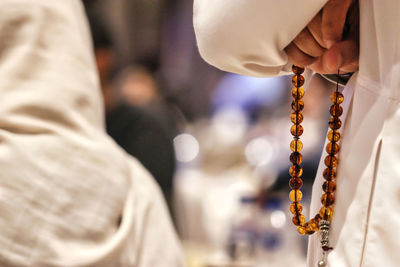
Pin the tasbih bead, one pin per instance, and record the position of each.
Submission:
(295, 195)
(309, 229)
(331, 161)
(297, 105)
(301, 230)
(329, 186)
(298, 80)
(297, 70)
(296, 130)
(296, 170)
(298, 93)
(296, 145)
(296, 208)
(335, 123)
(313, 224)
(329, 174)
(336, 110)
(326, 213)
(327, 199)
(296, 117)
(333, 136)
(296, 158)
(332, 148)
(295, 183)
(299, 220)
(337, 97)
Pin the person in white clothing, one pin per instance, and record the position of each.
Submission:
(264, 38)
(69, 196)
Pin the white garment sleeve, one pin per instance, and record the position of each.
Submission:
(248, 37)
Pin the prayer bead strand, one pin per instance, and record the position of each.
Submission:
(331, 160)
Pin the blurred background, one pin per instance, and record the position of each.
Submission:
(217, 143)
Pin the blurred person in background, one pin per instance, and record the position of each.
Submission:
(69, 195)
(135, 128)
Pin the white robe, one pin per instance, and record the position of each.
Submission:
(63, 182)
(248, 37)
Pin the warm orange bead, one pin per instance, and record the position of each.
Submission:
(332, 148)
(301, 230)
(333, 136)
(295, 195)
(295, 183)
(296, 145)
(331, 161)
(296, 130)
(297, 69)
(317, 218)
(296, 158)
(309, 229)
(327, 199)
(298, 93)
(329, 186)
(296, 117)
(295, 206)
(335, 123)
(295, 170)
(299, 220)
(326, 213)
(337, 97)
(298, 80)
(313, 225)
(297, 105)
(329, 174)
(336, 110)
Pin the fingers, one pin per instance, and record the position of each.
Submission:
(298, 57)
(306, 43)
(333, 20)
(342, 55)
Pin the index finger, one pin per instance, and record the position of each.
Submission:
(333, 20)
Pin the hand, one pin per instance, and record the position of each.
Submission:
(330, 41)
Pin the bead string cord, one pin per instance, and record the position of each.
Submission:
(329, 186)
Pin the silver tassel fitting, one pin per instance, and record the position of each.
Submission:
(324, 227)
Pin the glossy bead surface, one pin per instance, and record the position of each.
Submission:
(326, 213)
(301, 230)
(298, 93)
(297, 69)
(329, 186)
(327, 199)
(296, 117)
(297, 80)
(298, 220)
(329, 174)
(297, 105)
(295, 170)
(337, 97)
(296, 145)
(335, 123)
(331, 161)
(295, 183)
(296, 130)
(313, 225)
(293, 207)
(296, 158)
(333, 136)
(336, 110)
(295, 195)
(332, 148)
